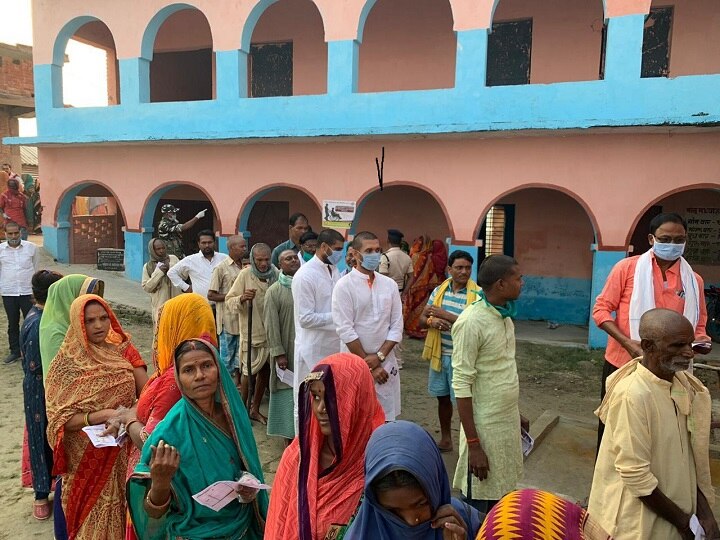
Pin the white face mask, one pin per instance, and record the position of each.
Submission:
(667, 251)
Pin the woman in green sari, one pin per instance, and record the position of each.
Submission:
(205, 438)
(56, 315)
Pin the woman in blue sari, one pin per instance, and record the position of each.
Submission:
(205, 438)
(407, 491)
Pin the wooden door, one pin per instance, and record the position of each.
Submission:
(269, 222)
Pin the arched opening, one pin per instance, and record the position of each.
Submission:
(701, 209)
(95, 221)
(288, 52)
(398, 207)
(550, 235)
(545, 42)
(89, 65)
(681, 38)
(265, 216)
(189, 200)
(407, 45)
(183, 61)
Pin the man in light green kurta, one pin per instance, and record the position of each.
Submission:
(280, 329)
(653, 469)
(486, 387)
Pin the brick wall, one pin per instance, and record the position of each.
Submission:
(16, 81)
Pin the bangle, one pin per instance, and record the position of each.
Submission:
(429, 321)
(87, 419)
(153, 506)
(130, 423)
(476, 440)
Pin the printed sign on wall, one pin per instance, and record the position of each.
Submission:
(338, 214)
(703, 245)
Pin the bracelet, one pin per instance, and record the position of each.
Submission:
(153, 506)
(130, 423)
(429, 321)
(476, 440)
(87, 419)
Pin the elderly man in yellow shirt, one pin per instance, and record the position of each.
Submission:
(652, 477)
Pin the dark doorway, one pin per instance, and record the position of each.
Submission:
(188, 209)
(508, 56)
(656, 43)
(269, 222)
(639, 240)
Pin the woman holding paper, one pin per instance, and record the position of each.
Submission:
(96, 371)
(205, 438)
(320, 478)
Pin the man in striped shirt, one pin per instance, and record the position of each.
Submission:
(445, 304)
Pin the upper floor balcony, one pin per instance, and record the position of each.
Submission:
(253, 69)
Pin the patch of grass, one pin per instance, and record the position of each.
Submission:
(557, 359)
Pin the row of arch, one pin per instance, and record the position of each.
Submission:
(151, 203)
(424, 43)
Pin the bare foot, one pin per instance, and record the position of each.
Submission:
(258, 417)
(445, 446)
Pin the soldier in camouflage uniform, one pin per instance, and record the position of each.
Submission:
(170, 229)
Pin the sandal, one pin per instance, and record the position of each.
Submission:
(41, 510)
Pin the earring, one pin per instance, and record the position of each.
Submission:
(417, 520)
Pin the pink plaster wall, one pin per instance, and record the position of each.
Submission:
(566, 39)
(185, 30)
(553, 234)
(695, 40)
(298, 21)
(407, 208)
(408, 44)
(299, 202)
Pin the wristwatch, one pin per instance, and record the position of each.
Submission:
(381, 356)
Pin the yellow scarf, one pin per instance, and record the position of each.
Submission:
(433, 350)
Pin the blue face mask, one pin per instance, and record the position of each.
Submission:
(668, 252)
(335, 257)
(370, 261)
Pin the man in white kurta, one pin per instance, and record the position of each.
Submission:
(653, 472)
(367, 311)
(312, 288)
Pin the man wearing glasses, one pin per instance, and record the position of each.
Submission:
(659, 278)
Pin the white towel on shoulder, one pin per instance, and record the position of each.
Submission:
(643, 294)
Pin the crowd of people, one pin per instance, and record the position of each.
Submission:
(324, 342)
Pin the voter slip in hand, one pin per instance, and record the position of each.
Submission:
(104, 441)
(285, 375)
(218, 495)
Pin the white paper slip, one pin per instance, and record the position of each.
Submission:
(248, 480)
(285, 375)
(104, 441)
(218, 495)
(527, 442)
(696, 528)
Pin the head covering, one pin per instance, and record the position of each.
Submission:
(56, 315)
(154, 259)
(184, 317)
(168, 209)
(404, 446)
(270, 274)
(518, 511)
(306, 501)
(208, 455)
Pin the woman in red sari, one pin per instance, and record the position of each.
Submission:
(96, 371)
(184, 317)
(429, 266)
(321, 475)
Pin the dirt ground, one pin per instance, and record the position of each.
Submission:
(561, 379)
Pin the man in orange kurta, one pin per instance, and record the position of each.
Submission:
(668, 235)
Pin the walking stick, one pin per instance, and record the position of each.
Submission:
(251, 377)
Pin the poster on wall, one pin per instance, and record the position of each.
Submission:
(703, 244)
(338, 214)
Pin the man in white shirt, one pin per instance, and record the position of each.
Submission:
(312, 287)
(18, 263)
(367, 311)
(198, 267)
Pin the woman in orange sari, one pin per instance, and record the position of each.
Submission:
(184, 317)
(429, 267)
(96, 371)
(321, 475)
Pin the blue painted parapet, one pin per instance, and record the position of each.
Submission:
(603, 262)
(558, 299)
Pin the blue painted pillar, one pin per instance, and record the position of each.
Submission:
(472, 250)
(231, 75)
(623, 50)
(603, 262)
(48, 86)
(134, 81)
(62, 242)
(342, 67)
(50, 240)
(222, 244)
(136, 254)
(471, 59)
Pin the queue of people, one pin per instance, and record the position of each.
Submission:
(323, 344)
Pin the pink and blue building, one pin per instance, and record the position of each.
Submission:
(552, 130)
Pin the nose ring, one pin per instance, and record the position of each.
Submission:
(417, 520)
